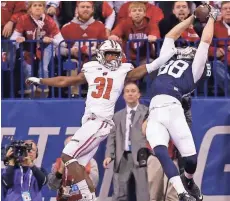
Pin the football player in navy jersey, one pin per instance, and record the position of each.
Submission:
(166, 120)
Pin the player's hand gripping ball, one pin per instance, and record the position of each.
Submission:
(202, 13)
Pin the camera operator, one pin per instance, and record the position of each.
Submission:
(21, 179)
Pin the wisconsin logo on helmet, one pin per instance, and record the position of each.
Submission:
(109, 46)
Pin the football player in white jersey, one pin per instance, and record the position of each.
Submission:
(105, 78)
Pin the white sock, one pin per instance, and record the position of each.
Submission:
(177, 184)
(83, 187)
(187, 175)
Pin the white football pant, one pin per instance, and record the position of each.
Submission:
(86, 140)
(167, 120)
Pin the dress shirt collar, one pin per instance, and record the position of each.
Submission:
(129, 108)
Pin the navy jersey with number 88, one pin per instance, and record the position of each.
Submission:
(175, 78)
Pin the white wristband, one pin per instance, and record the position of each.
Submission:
(149, 68)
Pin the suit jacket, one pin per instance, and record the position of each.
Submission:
(116, 138)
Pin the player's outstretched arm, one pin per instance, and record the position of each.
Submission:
(176, 31)
(60, 81)
(141, 71)
(208, 31)
(201, 55)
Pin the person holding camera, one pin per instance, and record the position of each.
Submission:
(128, 148)
(21, 179)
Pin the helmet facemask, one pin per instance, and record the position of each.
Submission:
(110, 47)
(186, 53)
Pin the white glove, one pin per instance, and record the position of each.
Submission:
(33, 80)
(213, 12)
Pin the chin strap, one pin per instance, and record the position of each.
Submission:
(70, 161)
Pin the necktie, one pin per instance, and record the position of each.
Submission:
(132, 112)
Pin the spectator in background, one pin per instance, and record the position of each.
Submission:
(55, 178)
(102, 12)
(154, 13)
(83, 26)
(124, 145)
(180, 11)
(36, 25)
(23, 180)
(10, 12)
(52, 9)
(220, 50)
(116, 5)
(138, 26)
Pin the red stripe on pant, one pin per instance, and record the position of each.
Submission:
(86, 144)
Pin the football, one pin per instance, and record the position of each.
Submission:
(202, 13)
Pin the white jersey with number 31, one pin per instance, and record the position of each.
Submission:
(105, 87)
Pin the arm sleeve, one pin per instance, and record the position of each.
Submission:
(20, 26)
(109, 15)
(146, 116)
(168, 44)
(54, 180)
(8, 177)
(111, 144)
(109, 21)
(167, 51)
(53, 29)
(118, 31)
(199, 61)
(40, 175)
(94, 173)
(58, 39)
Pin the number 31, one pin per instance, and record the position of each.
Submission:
(102, 89)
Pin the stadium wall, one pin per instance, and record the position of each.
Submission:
(49, 123)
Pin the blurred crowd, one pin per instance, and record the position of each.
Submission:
(56, 38)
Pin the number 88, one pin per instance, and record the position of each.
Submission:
(180, 65)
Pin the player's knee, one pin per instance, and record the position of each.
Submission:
(190, 164)
(161, 151)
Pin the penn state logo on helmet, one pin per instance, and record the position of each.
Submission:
(109, 46)
(186, 53)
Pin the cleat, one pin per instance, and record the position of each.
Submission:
(186, 197)
(192, 188)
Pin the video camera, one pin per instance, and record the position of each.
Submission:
(20, 150)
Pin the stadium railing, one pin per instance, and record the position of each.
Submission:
(13, 59)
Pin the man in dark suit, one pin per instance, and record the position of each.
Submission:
(124, 144)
